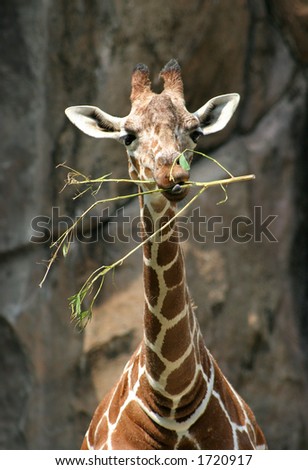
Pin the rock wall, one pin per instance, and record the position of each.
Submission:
(251, 289)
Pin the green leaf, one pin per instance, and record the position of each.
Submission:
(84, 317)
(184, 163)
(65, 248)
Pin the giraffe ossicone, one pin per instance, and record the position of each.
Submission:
(171, 394)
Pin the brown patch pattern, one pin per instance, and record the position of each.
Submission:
(152, 325)
(182, 377)
(213, 431)
(174, 275)
(151, 285)
(176, 341)
(174, 302)
(166, 253)
(187, 444)
(155, 400)
(190, 402)
(154, 364)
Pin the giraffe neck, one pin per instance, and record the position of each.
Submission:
(174, 351)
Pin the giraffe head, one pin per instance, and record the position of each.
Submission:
(158, 128)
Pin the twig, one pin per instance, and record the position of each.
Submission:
(77, 178)
(59, 242)
(77, 299)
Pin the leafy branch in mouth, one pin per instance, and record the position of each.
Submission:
(82, 302)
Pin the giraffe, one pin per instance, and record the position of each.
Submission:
(172, 394)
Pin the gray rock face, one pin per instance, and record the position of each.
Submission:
(247, 268)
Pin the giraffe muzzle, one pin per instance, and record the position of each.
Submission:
(174, 190)
(174, 186)
(171, 177)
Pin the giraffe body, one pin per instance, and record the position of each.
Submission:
(172, 394)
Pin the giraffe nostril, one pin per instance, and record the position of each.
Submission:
(178, 175)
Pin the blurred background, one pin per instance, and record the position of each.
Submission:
(251, 292)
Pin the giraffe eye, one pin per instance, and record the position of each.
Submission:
(195, 136)
(128, 139)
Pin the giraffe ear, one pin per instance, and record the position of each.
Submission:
(94, 122)
(217, 112)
